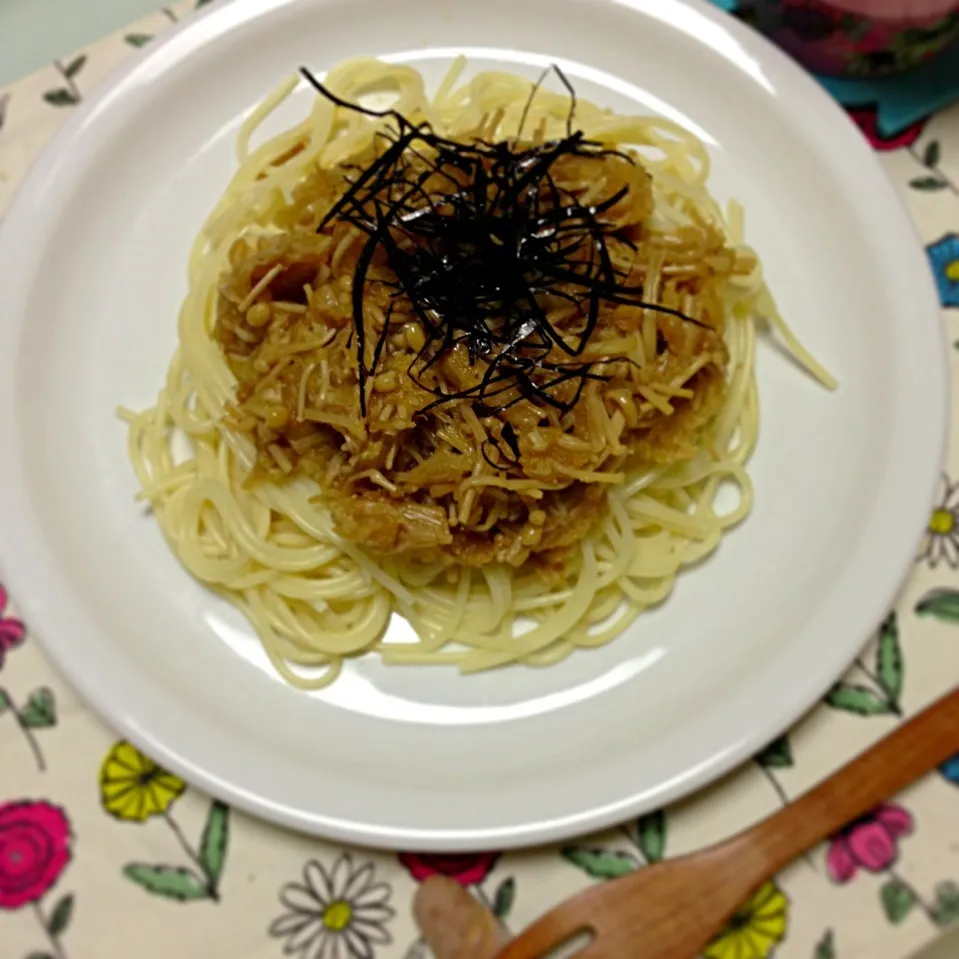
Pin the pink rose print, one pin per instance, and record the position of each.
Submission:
(869, 843)
(469, 869)
(12, 630)
(35, 843)
(34, 849)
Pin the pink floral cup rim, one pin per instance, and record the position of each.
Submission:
(862, 38)
(901, 10)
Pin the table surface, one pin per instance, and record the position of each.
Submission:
(34, 32)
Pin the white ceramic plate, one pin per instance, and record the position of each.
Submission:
(92, 270)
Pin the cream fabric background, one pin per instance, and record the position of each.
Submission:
(110, 915)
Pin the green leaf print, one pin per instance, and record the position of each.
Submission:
(825, 948)
(941, 604)
(60, 917)
(651, 835)
(5, 703)
(890, 667)
(504, 898)
(4, 102)
(61, 97)
(927, 183)
(897, 900)
(168, 881)
(933, 154)
(138, 39)
(777, 755)
(41, 709)
(599, 863)
(74, 66)
(858, 700)
(213, 843)
(40, 955)
(946, 909)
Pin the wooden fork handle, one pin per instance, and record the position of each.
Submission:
(905, 755)
(747, 860)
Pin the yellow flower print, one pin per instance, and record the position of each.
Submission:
(756, 929)
(133, 787)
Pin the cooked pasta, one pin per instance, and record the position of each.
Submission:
(482, 359)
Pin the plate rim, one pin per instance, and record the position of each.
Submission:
(31, 578)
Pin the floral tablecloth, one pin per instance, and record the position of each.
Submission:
(103, 854)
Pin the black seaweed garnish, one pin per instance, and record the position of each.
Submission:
(475, 257)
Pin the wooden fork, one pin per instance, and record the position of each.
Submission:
(673, 909)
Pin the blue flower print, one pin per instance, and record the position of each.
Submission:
(944, 257)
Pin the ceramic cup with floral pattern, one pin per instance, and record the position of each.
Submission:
(859, 37)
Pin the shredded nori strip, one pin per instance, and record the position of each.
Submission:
(474, 259)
